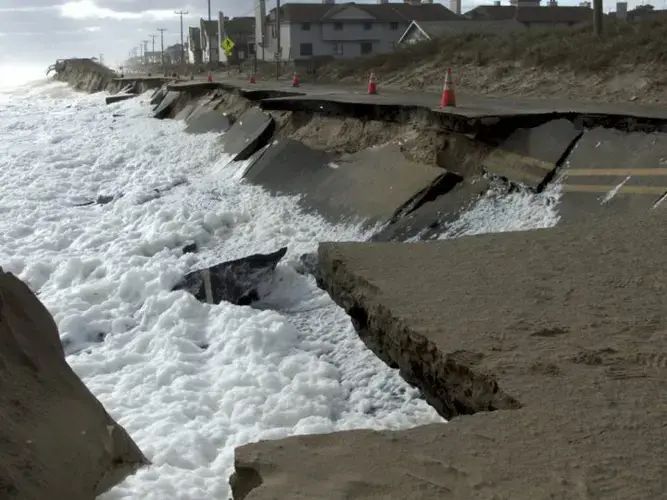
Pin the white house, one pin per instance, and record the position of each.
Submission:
(345, 30)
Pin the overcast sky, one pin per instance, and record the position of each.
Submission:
(41, 31)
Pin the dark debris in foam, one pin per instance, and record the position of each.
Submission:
(235, 281)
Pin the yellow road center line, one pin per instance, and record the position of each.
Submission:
(502, 157)
(579, 188)
(615, 171)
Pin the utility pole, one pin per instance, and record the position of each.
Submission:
(153, 36)
(597, 17)
(181, 13)
(145, 58)
(279, 48)
(210, 39)
(162, 30)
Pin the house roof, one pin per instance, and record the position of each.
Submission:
(240, 26)
(422, 12)
(176, 48)
(388, 12)
(210, 27)
(433, 29)
(644, 12)
(530, 14)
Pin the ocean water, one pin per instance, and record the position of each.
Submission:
(294, 366)
(16, 74)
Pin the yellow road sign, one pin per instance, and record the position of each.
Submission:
(227, 44)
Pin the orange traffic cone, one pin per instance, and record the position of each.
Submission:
(372, 86)
(295, 80)
(448, 98)
(252, 78)
(210, 77)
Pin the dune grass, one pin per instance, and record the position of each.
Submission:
(576, 49)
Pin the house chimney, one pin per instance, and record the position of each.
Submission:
(455, 6)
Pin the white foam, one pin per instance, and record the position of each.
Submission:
(189, 381)
(500, 210)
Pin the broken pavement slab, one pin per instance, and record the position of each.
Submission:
(57, 439)
(561, 329)
(195, 107)
(250, 132)
(158, 95)
(613, 171)
(236, 281)
(530, 155)
(118, 98)
(165, 106)
(208, 121)
(371, 185)
(433, 217)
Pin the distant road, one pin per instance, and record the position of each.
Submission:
(469, 104)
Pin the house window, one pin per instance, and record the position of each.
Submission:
(368, 26)
(306, 49)
(338, 49)
(305, 26)
(393, 26)
(338, 26)
(366, 48)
